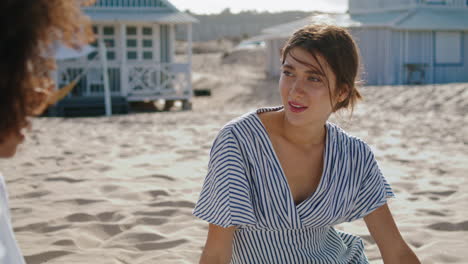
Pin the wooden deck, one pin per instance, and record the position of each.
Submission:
(88, 106)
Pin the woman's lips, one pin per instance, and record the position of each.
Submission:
(296, 108)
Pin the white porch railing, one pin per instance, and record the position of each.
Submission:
(158, 81)
(135, 81)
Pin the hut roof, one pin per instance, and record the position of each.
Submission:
(157, 11)
(435, 19)
(140, 15)
(413, 19)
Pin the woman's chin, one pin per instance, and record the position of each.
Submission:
(9, 146)
(7, 153)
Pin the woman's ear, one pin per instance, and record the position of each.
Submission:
(344, 93)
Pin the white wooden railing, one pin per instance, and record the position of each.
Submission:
(136, 81)
(165, 80)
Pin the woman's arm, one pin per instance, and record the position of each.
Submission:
(218, 246)
(383, 229)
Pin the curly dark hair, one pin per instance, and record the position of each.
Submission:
(28, 30)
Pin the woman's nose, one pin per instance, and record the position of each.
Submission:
(297, 87)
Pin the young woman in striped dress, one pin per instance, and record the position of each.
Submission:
(280, 178)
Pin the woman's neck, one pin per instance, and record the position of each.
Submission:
(307, 136)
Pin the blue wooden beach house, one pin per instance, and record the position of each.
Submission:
(400, 41)
(140, 40)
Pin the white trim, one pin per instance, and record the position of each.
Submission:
(189, 55)
(123, 60)
(172, 43)
(397, 20)
(157, 42)
(432, 59)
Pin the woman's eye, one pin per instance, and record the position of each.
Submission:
(287, 73)
(314, 79)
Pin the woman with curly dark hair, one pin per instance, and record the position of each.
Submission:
(28, 30)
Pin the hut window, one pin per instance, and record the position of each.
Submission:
(131, 31)
(147, 43)
(111, 55)
(108, 31)
(140, 43)
(147, 31)
(132, 55)
(131, 43)
(448, 47)
(107, 35)
(148, 55)
(110, 43)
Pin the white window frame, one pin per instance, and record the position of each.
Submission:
(99, 34)
(128, 48)
(448, 48)
(140, 37)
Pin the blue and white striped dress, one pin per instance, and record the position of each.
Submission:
(246, 187)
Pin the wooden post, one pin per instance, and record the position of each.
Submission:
(123, 61)
(107, 99)
(189, 54)
(172, 43)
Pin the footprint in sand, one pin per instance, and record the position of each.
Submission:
(65, 179)
(169, 212)
(80, 201)
(431, 212)
(65, 242)
(37, 194)
(436, 193)
(179, 204)
(142, 165)
(81, 217)
(110, 188)
(131, 239)
(151, 221)
(102, 231)
(110, 217)
(41, 227)
(156, 193)
(160, 245)
(46, 256)
(160, 176)
(446, 226)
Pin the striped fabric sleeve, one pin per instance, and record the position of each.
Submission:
(374, 190)
(225, 196)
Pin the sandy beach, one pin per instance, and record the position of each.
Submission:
(115, 190)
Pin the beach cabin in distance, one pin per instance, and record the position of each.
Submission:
(400, 41)
(140, 40)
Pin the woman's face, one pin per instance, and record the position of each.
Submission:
(9, 144)
(305, 88)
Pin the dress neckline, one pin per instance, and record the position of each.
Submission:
(278, 163)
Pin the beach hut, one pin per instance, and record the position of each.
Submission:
(401, 42)
(140, 41)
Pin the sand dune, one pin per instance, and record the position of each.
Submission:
(121, 189)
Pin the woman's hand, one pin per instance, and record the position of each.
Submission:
(383, 229)
(218, 246)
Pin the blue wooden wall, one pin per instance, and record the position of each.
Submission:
(384, 54)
